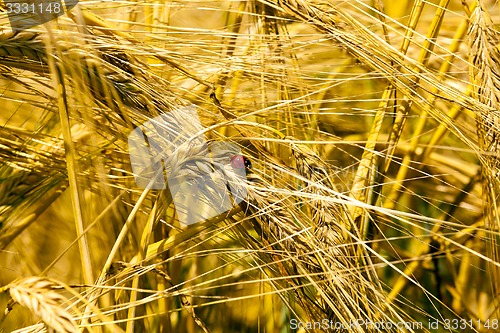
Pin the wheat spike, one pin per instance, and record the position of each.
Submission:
(115, 78)
(331, 220)
(39, 296)
(485, 74)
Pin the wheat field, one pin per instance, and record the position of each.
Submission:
(314, 166)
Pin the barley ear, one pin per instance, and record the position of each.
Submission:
(484, 71)
(39, 295)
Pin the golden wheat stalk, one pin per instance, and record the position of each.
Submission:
(120, 267)
(39, 295)
(37, 328)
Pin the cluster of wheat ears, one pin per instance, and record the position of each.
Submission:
(372, 129)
